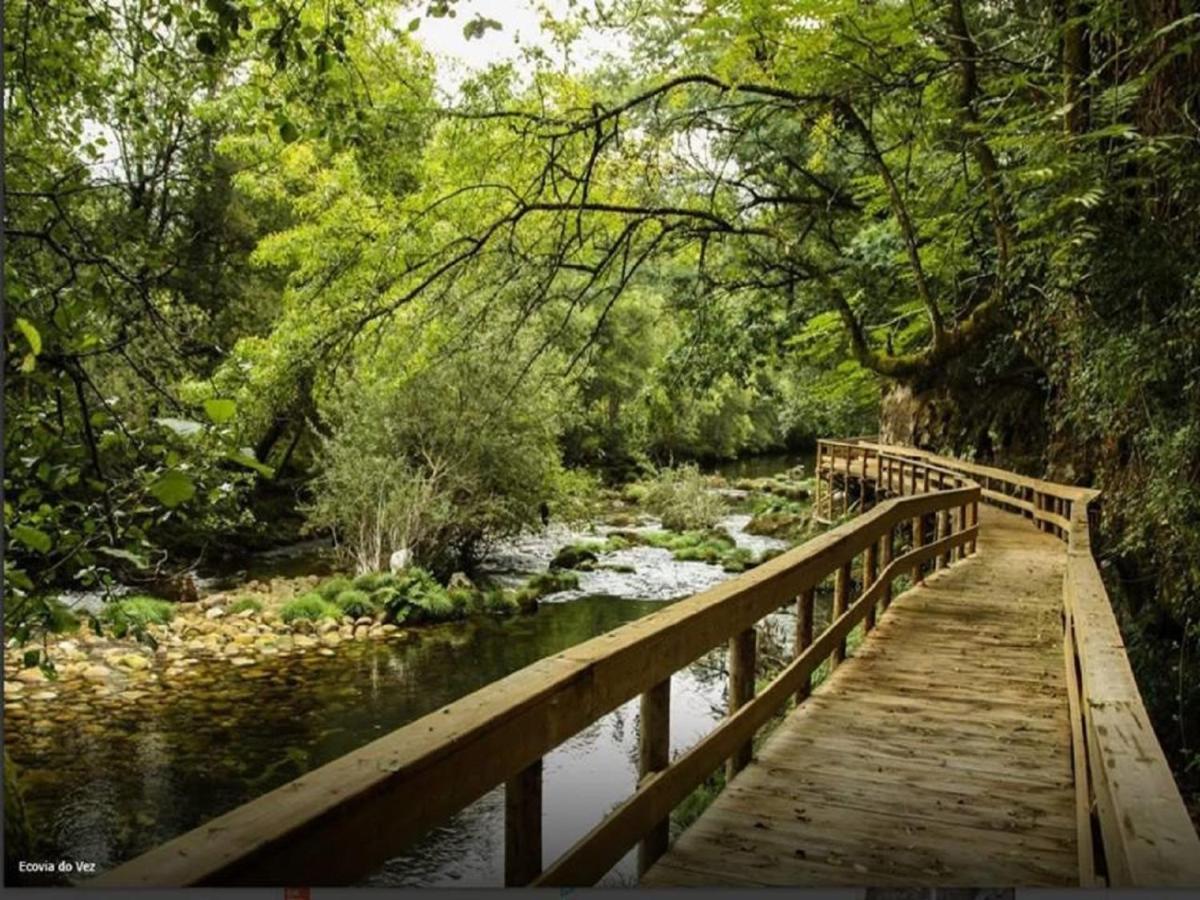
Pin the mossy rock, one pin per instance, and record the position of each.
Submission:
(551, 582)
(785, 525)
(242, 604)
(575, 556)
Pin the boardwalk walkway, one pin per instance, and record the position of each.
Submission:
(939, 754)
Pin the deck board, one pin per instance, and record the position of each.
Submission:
(939, 754)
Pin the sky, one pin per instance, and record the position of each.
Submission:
(460, 57)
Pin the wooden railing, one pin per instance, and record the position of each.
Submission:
(342, 820)
(1133, 828)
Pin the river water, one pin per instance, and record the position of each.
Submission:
(107, 784)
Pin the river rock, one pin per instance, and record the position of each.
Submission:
(13, 689)
(389, 628)
(96, 673)
(243, 639)
(32, 675)
(331, 639)
(133, 661)
(325, 651)
(364, 620)
(304, 641)
(242, 661)
(214, 612)
(44, 695)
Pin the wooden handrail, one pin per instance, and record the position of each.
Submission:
(1122, 778)
(337, 823)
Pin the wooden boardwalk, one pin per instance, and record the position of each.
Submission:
(939, 754)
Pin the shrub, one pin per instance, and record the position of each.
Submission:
(500, 602)
(246, 603)
(682, 499)
(373, 581)
(132, 615)
(311, 606)
(356, 603)
(330, 588)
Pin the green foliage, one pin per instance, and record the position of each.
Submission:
(683, 499)
(545, 583)
(133, 615)
(311, 606)
(331, 587)
(246, 604)
(32, 617)
(356, 603)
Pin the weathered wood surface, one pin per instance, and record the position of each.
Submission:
(939, 754)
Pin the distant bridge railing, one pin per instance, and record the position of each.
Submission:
(1133, 828)
(341, 821)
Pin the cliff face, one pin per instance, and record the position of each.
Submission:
(974, 414)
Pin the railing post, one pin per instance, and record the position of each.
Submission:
(960, 552)
(975, 522)
(846, 482)
(918, 529)
(654, 755)
(832, 463)
(885, 559)
(914, 478)
(523, 826)
(869, 570)
(804, 634)
(742, 662)
(862, 486)
(841, 597)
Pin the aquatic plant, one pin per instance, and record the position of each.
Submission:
(551, 582)
(133, 615)
(242, 604)
(500, 602)
(356, 603)
(311, 606)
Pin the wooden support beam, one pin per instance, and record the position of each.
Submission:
(804, 634)
(654, 755)
(885, 558)
(869, 572)
(523, 826)
(918, 541)
(743, 653)
(841, 601)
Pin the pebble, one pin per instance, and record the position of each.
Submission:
(32, 675)
(214, 612)
(44, 695)
(242, 660)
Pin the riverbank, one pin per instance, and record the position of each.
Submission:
(222, 704)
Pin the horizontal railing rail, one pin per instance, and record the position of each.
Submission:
(341, 821)
(1133, 828)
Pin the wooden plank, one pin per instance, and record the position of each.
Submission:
(523, 826)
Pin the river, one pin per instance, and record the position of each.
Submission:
(105, 786)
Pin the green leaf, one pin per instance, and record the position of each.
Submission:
(173, 488)
(414, 24)
(185, 427)
(128, 556)
(31, 537)
(220, 410)
(32, 335)
(245, 457)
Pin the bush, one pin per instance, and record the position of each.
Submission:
(442, 462)
(246, 603)
(311, 606)
(330, 588)
(132, 615)
(373, 581)
(356, 603)
(682, 499)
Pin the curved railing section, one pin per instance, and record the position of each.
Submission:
(1133, 828)
(341, 821)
